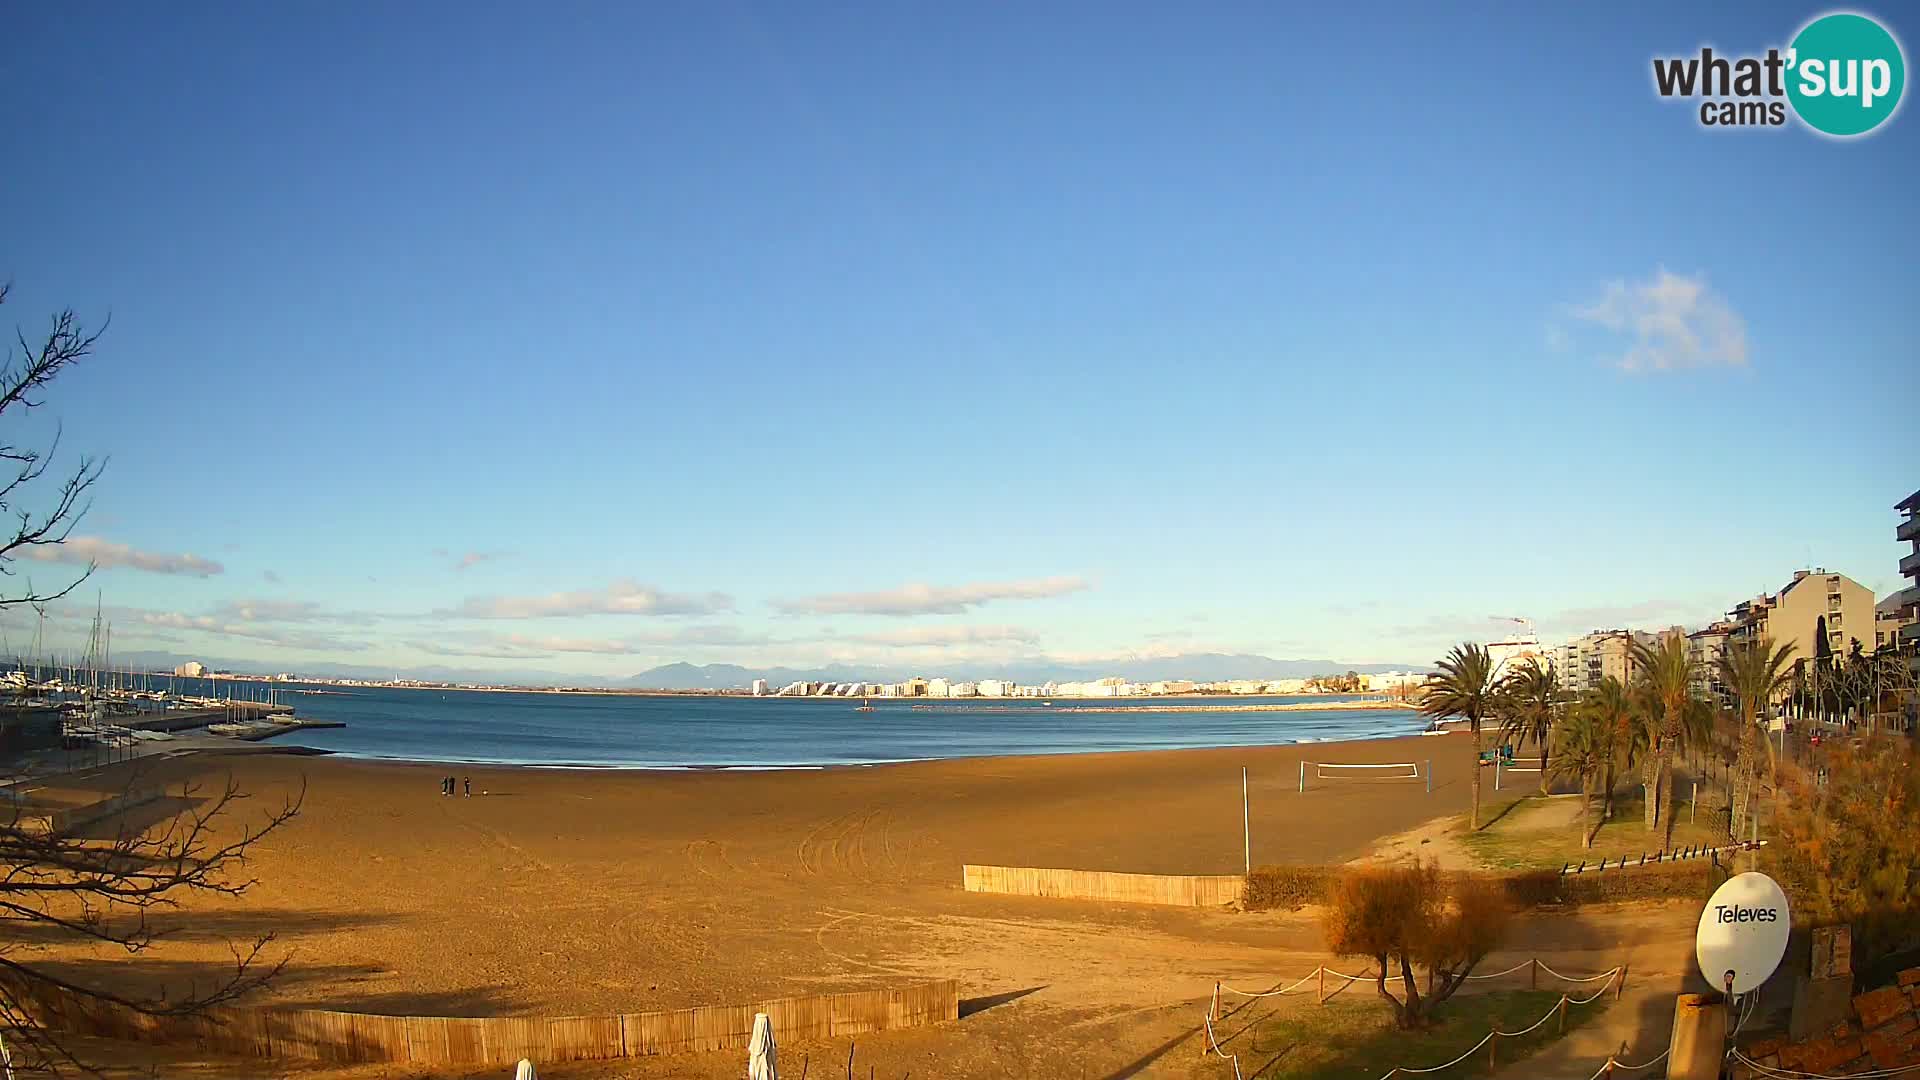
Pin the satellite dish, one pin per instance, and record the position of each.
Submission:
(1743, 933)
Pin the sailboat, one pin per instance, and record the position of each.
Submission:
(866, 705)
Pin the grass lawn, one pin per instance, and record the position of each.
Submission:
(1353, 1035)
(1536, 833)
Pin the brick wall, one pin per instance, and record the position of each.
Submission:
(1883, 1034)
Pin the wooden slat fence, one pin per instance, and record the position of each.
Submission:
(1207, 890)
(363, 1038)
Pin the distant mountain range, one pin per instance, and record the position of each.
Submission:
(1199, 667)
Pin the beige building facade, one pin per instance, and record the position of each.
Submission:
(1795, 615)
(1586, 661)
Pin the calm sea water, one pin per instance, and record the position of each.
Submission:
(624, 731)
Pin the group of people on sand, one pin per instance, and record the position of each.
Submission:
(446, 786)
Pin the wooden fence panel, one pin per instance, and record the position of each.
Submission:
(363, 1038)
(1211, 890)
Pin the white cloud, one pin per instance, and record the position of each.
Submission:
(492, 650)
(918, 599)
(624, 597)
(255, 610)
(1668, 322)
(291, 639)
(105, 554)
(922, 636)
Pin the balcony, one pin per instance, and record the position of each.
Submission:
(1909, 529)
(1910, 566)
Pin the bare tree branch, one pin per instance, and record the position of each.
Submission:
(38, 362)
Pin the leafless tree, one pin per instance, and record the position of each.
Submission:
(63, 884)
(33, 363)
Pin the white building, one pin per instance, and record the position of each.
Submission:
(192, 669)
(1508, 655)
(759, 688)
(996, 688)
(938, 687)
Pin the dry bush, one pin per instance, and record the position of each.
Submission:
(1408, 915)
(1288, 887)
(1849, 847)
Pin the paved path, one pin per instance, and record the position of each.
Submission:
(1633, 1029)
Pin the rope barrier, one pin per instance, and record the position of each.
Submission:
(1571, 979)
(1509, 971)
(1794, 1074)
(1566, 1001)
(1269, 993)
(1214, 1045)
(1496, 1033)
(1614, 1063)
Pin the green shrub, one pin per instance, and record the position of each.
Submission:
(1694, 879)
(1532, 888)
(1289, 887)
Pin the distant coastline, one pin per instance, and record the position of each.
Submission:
(1357, 700)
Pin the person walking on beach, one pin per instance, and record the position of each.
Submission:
(446, 785)
(469, 786)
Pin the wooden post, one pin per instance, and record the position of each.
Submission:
(1699, 1043)
(1493, 1044)
(1429, 776)
(1563, 1014)
(1246, 823)
(1620, 982)
(1323, 984)
(1533, 974)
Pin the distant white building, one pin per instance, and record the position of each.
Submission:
(996, 688)
(759, 688)
(1510, 654)
(938, 687)
(192, 669)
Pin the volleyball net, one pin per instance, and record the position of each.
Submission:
(1331, 773)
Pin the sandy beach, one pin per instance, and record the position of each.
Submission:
(577, 891)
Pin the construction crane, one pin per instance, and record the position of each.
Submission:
(1519, 619)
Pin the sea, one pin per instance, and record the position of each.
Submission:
(702, 732)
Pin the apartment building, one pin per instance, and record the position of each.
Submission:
(1582, 663)
(1909, 532)
(1891, 616)
(1814, 602)
(1704, 649)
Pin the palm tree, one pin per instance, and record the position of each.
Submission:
(1583, 746)
(1464, 686)
(1527, 703)
(1755, 673)
(1674, 717)
(1610, 706)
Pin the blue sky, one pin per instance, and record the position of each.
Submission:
(776, 334)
